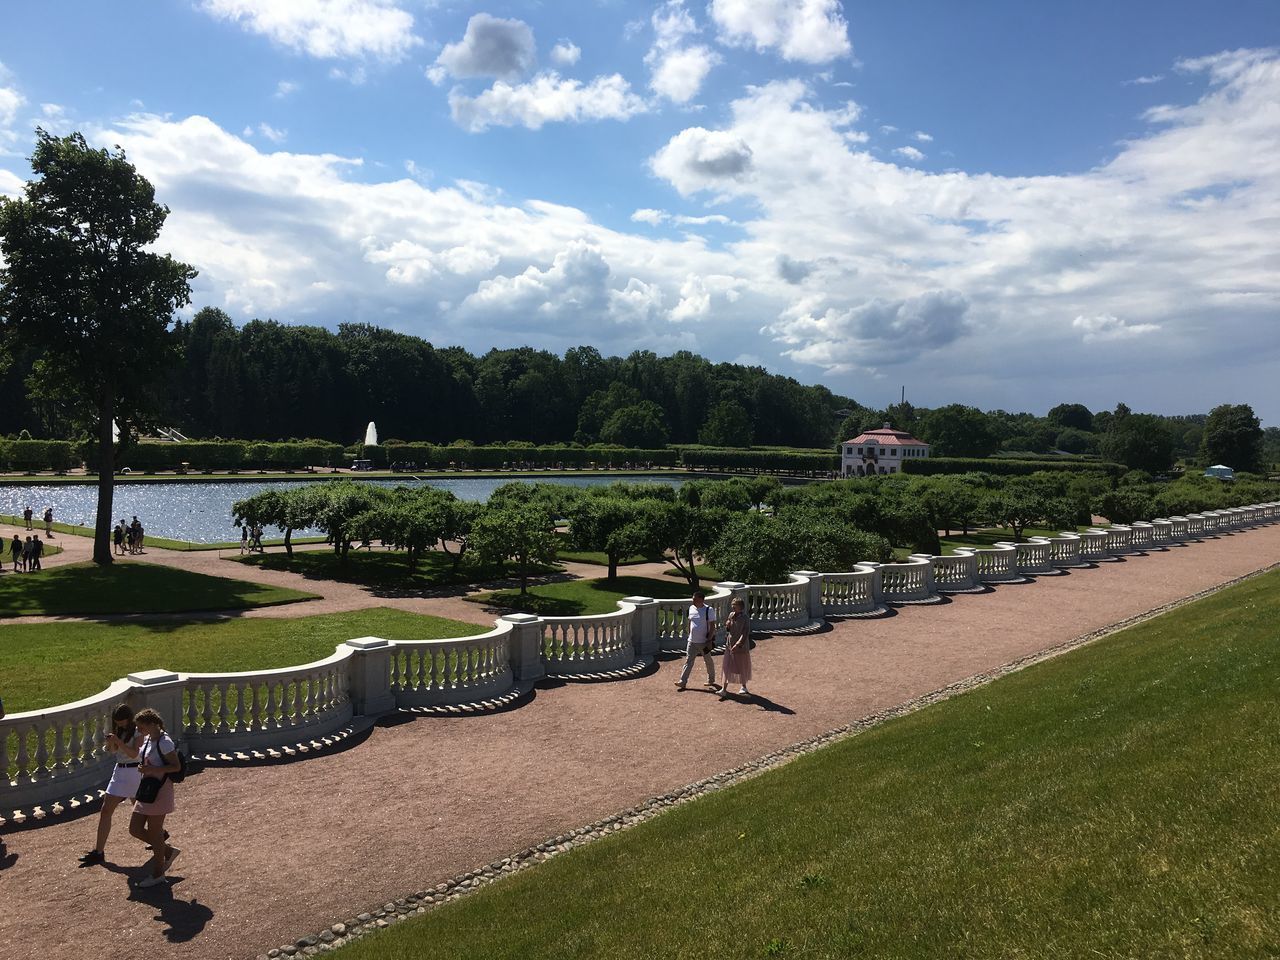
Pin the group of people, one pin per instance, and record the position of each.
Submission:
(26, 554)
(28, 515)
(251, 538)
(127, 537)
(143, 752)
(702, 641)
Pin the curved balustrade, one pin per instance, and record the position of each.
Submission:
(952, 573)
(1030, 556)
(57, 755)
(265, 708)
(577, 646)
(432, 673)
(779, 606)
(1064, 549)
(857, 591)
(995, 563)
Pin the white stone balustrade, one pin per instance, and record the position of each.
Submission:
(779, 606)
(432, 673)
(56, 756)
(264, 708)
(579, 646)
(995, 563)
(856, 591)
(953, 573)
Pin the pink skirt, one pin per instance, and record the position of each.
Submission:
(737, 665)
(164, 803)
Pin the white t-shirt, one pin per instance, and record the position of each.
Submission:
(699, 618)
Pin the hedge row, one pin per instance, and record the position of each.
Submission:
(769, 461)
(1005, 467)
(221, 455)
(428, 456)
(38, 454)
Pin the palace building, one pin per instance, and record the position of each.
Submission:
(879, 451)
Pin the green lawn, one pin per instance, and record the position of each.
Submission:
(47, 664)
(133, 587)
(575, 598)
(381, 568)
(599, 559)
(707, 574)
(1120, 801)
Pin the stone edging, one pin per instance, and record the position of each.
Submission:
(420, 902)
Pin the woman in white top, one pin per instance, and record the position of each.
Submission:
(123, 741)
(159, 757)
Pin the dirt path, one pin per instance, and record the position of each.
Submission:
(273, 853)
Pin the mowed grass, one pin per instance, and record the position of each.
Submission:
(131, 587)
(1120, 801)
(382, 569)
(47, 664)
(576, 598)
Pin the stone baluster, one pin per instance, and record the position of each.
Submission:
(369, 676)
(644, 626)
(524, 647)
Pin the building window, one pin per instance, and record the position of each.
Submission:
(893, 451)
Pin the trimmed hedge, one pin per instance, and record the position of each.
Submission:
(765, 461)
(220, 455)
(1000, 466)
(38, 455)
(430, 456)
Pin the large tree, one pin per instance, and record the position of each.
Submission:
(1233, 436)
(959, 431)
(82, 285)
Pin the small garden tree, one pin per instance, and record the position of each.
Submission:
(522, 534)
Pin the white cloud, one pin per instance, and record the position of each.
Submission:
(1143, 81)
(356, 76)
(677, 71)
(286, 88)
(656, 217)
(326, 29)
(11, 102)
(565, 53)
(699, 159)
(546, 98)
(921, 137)
(1105, 327)
(810, 31)
(649, 216)
(491, 47)
(909, 153)
(273, 134)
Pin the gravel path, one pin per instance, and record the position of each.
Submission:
(272, 853)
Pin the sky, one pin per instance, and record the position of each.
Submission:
(1005, 204)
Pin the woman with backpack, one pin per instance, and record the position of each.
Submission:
(160, 762)
(125, 742)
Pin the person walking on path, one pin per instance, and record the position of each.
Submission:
(37, 551)
(26, 555)
(15, 551)
(48, 522)
(117, 537)
(125, 742)
(159, 758)
(737, 649)
(701, 641)
(26, 516)
(244, 539)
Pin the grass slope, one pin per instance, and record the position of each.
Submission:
(47, 664)
(575, 598)
(133, 587)
(379, 568)
(1120, 801)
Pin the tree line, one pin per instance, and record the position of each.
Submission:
(751, 529)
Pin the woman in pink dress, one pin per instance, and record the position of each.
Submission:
(737, 648)
(159, 758)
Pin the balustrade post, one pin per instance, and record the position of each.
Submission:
(161, 690)
(814, 595)
(644, 626)
(369, 676)
(524, 647)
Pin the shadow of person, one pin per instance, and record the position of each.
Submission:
(764, 703)
(183, 919)
(7, 857)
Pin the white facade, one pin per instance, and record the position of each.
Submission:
(878, 452)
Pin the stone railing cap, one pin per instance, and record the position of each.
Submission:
(730, 585)
(149, 678)
(806, 573)
(638, 601)
(368, 643)
(520, 618)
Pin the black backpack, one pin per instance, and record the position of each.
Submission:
(181, 773)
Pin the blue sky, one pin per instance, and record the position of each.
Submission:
(1005, 204)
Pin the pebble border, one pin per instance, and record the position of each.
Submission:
(391, 912)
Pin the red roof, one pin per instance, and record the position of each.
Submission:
(888, 438)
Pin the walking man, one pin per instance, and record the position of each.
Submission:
(48, 522)
(37, 549)
(702, 638)
(26, 516)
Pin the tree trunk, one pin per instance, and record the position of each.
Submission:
(288, 543)
(106, 480)
(613, 567)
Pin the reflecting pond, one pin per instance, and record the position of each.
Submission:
(201, 512)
